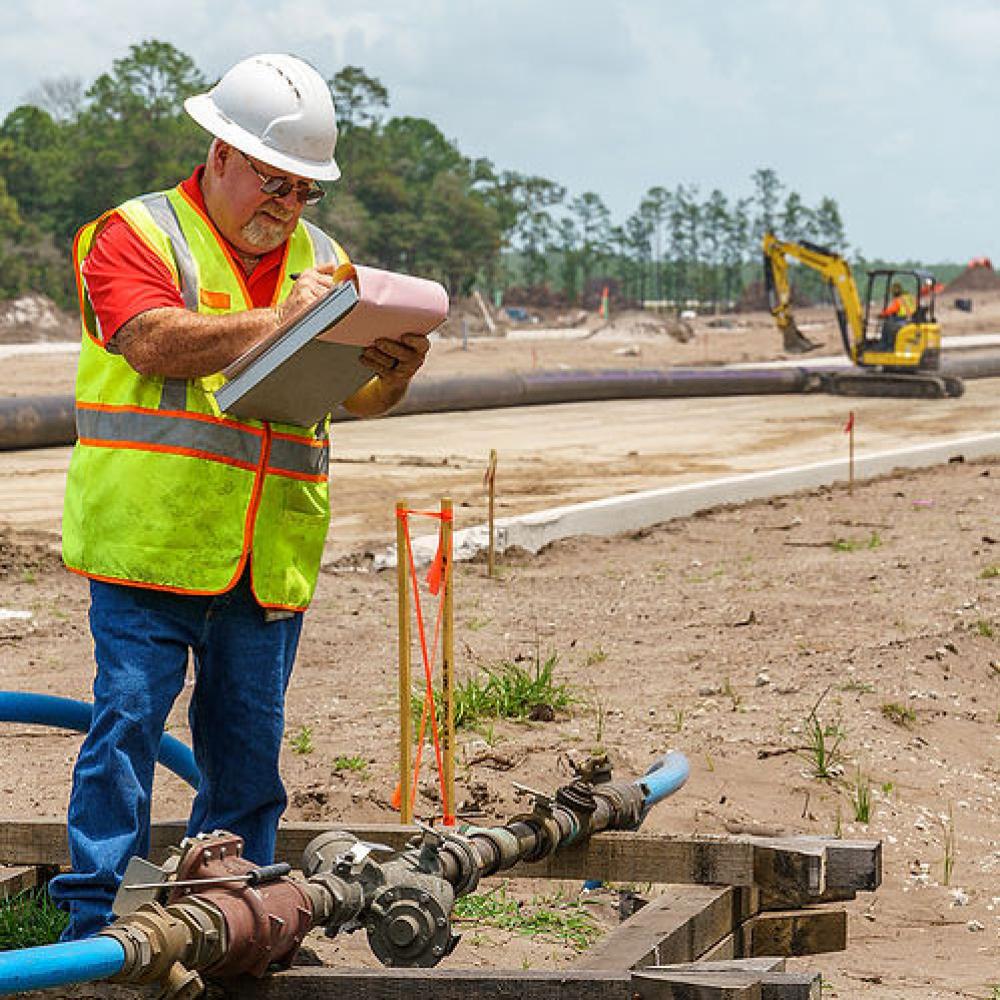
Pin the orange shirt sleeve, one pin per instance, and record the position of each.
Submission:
(124, 277)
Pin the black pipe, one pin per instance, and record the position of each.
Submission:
(37, 422)
(48, 421)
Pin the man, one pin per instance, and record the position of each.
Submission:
(902, 306)
(200, 532)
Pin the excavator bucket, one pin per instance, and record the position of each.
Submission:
(795, 342)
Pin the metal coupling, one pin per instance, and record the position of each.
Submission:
(167, 944)
(323, 852)
(501, 843)
(623, 804)
(459, 855)
(546, 835)
(335, 901)
(410, 926)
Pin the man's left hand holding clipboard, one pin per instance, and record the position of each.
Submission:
(395, 362)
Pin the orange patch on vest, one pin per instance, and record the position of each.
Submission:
(214, 300)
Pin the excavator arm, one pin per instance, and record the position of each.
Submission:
(835, 270)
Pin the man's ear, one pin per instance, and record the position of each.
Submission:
(219, 156)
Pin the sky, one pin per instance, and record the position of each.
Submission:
(888, 106)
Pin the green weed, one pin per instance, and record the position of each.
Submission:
(30, 919)
(898, 715)
(984, 628)
(861, 798)
(302, 741)
(858, 687)
(855, 544)
(549, 918)
(507, 690)
(730, 693)
(990, 573)
(888, 788)
(352, 762)
(823, 744)
(948, 862)
(476, 624)
(596, 656)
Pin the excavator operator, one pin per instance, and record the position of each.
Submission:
(902, 306)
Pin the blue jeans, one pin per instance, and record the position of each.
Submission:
(242, 665)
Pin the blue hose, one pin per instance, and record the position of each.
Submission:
(665, 775)
(59, 964)
(48, 710)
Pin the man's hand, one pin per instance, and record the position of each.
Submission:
(396, 361)
(310, 285)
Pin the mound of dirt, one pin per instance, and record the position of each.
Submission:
(22, 556)
(32, 318)
(975, 279)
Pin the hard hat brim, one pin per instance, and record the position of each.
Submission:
(204, 111)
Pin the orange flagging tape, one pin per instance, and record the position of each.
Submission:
(437, 577)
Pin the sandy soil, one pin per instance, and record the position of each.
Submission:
(716, 635)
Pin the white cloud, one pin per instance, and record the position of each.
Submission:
(871, 101)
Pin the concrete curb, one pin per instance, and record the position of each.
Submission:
(633, 511)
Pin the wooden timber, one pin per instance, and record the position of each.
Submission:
(798, 932)
(678, 926)
(477, 984)
(791, 867)
(16, 880)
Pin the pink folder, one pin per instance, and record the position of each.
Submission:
(389, 305)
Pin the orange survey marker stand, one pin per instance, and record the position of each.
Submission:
(439, 583)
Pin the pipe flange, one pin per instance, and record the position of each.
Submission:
(506, 847)
(467, 860)
(624, 804)
(408, 926)
(547, 835)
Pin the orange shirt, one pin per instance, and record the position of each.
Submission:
(125, 277)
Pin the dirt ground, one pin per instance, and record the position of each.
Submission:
(716, 635)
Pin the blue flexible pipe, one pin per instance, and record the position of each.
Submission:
(48, 710)
(59, 964)
(665, 775)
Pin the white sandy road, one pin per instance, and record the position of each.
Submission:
(554, 455)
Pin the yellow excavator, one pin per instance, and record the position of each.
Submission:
(893, 340)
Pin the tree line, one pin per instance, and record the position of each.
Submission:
(409, 199)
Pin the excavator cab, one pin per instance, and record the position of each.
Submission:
(901, 332)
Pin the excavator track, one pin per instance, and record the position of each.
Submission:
(896, 385)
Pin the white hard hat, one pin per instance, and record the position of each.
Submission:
(276, 109)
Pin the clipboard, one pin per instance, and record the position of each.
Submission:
(310, 366)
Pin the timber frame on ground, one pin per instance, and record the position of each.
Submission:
(728, 912)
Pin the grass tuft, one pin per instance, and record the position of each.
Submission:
(897, 714)
(302, 741)
(550, 918)
(30, 919)
(352, 762)
(861, 798)
(507, 690)
(823, 744)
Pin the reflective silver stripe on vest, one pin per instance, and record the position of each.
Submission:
(210, 439)
(322, 245)
(174, 395)
(166, 218)
(290, 456)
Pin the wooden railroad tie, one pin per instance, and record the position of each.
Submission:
(729, 910)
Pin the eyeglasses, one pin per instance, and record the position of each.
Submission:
(307, 192)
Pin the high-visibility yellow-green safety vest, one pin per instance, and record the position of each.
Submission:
(166, 492)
